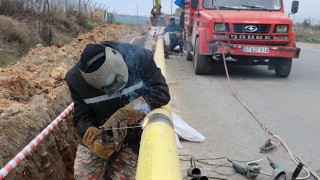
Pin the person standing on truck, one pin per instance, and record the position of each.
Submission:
(113, 86)
(175, 35)
(154, 16)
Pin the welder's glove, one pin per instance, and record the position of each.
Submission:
(92, 139)
(178, 34)
(130, 115)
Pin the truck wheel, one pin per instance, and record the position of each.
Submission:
(283, 67)
(189, 56)
(200, 61)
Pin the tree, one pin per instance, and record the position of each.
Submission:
(306, 22)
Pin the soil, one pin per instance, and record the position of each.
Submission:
(33, 93)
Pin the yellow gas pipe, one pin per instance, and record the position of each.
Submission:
(158, 156)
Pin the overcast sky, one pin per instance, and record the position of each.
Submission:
(308, 8)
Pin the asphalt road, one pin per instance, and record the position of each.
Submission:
(288, 106)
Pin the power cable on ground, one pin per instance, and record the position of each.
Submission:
(269, 133)
(216, 165)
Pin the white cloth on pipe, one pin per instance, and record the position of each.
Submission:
(179, 145)
(185, 131)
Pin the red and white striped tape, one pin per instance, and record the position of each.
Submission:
(31, 146)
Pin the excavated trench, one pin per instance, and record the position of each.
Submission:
(33, 93)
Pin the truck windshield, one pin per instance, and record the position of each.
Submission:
(243, 4)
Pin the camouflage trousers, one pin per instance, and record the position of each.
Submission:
(121, 165)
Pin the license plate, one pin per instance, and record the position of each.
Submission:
(255, 49)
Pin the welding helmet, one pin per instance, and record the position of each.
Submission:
(172, 20)
(104, 68)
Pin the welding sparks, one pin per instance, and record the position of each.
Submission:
(142, 107)
(145, 122)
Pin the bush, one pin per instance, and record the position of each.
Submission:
(6, 59)
(11, 7)
(81, 19)
(64, 23)
(89, 27)
(13, 30)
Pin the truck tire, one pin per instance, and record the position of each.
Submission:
(283, 67)
(200, 61)
(189, 56)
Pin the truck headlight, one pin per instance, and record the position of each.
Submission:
(281, 28)
(219, 27)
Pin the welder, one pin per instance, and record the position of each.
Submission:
(113, 85)
(175, 35)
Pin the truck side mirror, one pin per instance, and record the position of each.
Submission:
(294, 7)
(195, 4)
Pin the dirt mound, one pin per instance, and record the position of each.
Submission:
(33, 93)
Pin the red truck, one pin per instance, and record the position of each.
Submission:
(251, 32)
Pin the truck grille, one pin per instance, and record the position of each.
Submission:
(252, 28)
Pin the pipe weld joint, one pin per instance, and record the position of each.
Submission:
(158, 117)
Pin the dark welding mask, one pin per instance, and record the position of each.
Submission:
(111, 76)
(172, 21)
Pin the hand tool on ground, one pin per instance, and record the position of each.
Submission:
(279, 171)
(297, 171)
(194, 173)
(251, 170)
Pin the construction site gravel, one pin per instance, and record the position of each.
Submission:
(33, 93)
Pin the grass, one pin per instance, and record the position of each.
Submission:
(310, 38)
(89, 26)
(63, 37)
(308, 34)
(128, 24)
(314, 38)
(13, 30)
(6, 59)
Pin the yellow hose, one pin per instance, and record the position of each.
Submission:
(158, 156)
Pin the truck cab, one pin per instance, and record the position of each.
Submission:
(252, 32)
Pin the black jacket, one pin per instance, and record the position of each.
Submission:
(93, 107)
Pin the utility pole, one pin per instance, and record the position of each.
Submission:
(313, 24)
(137, 14)
(171, 7)
(94, 6)
(66, 5)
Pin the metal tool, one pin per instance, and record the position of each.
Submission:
(297, 171)
(195, 178)
(268, 146)
(194, 173)
(251, 170)
(104, 135)
(110, 129)
(193, 170)
(279, 171)
(105, 138)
